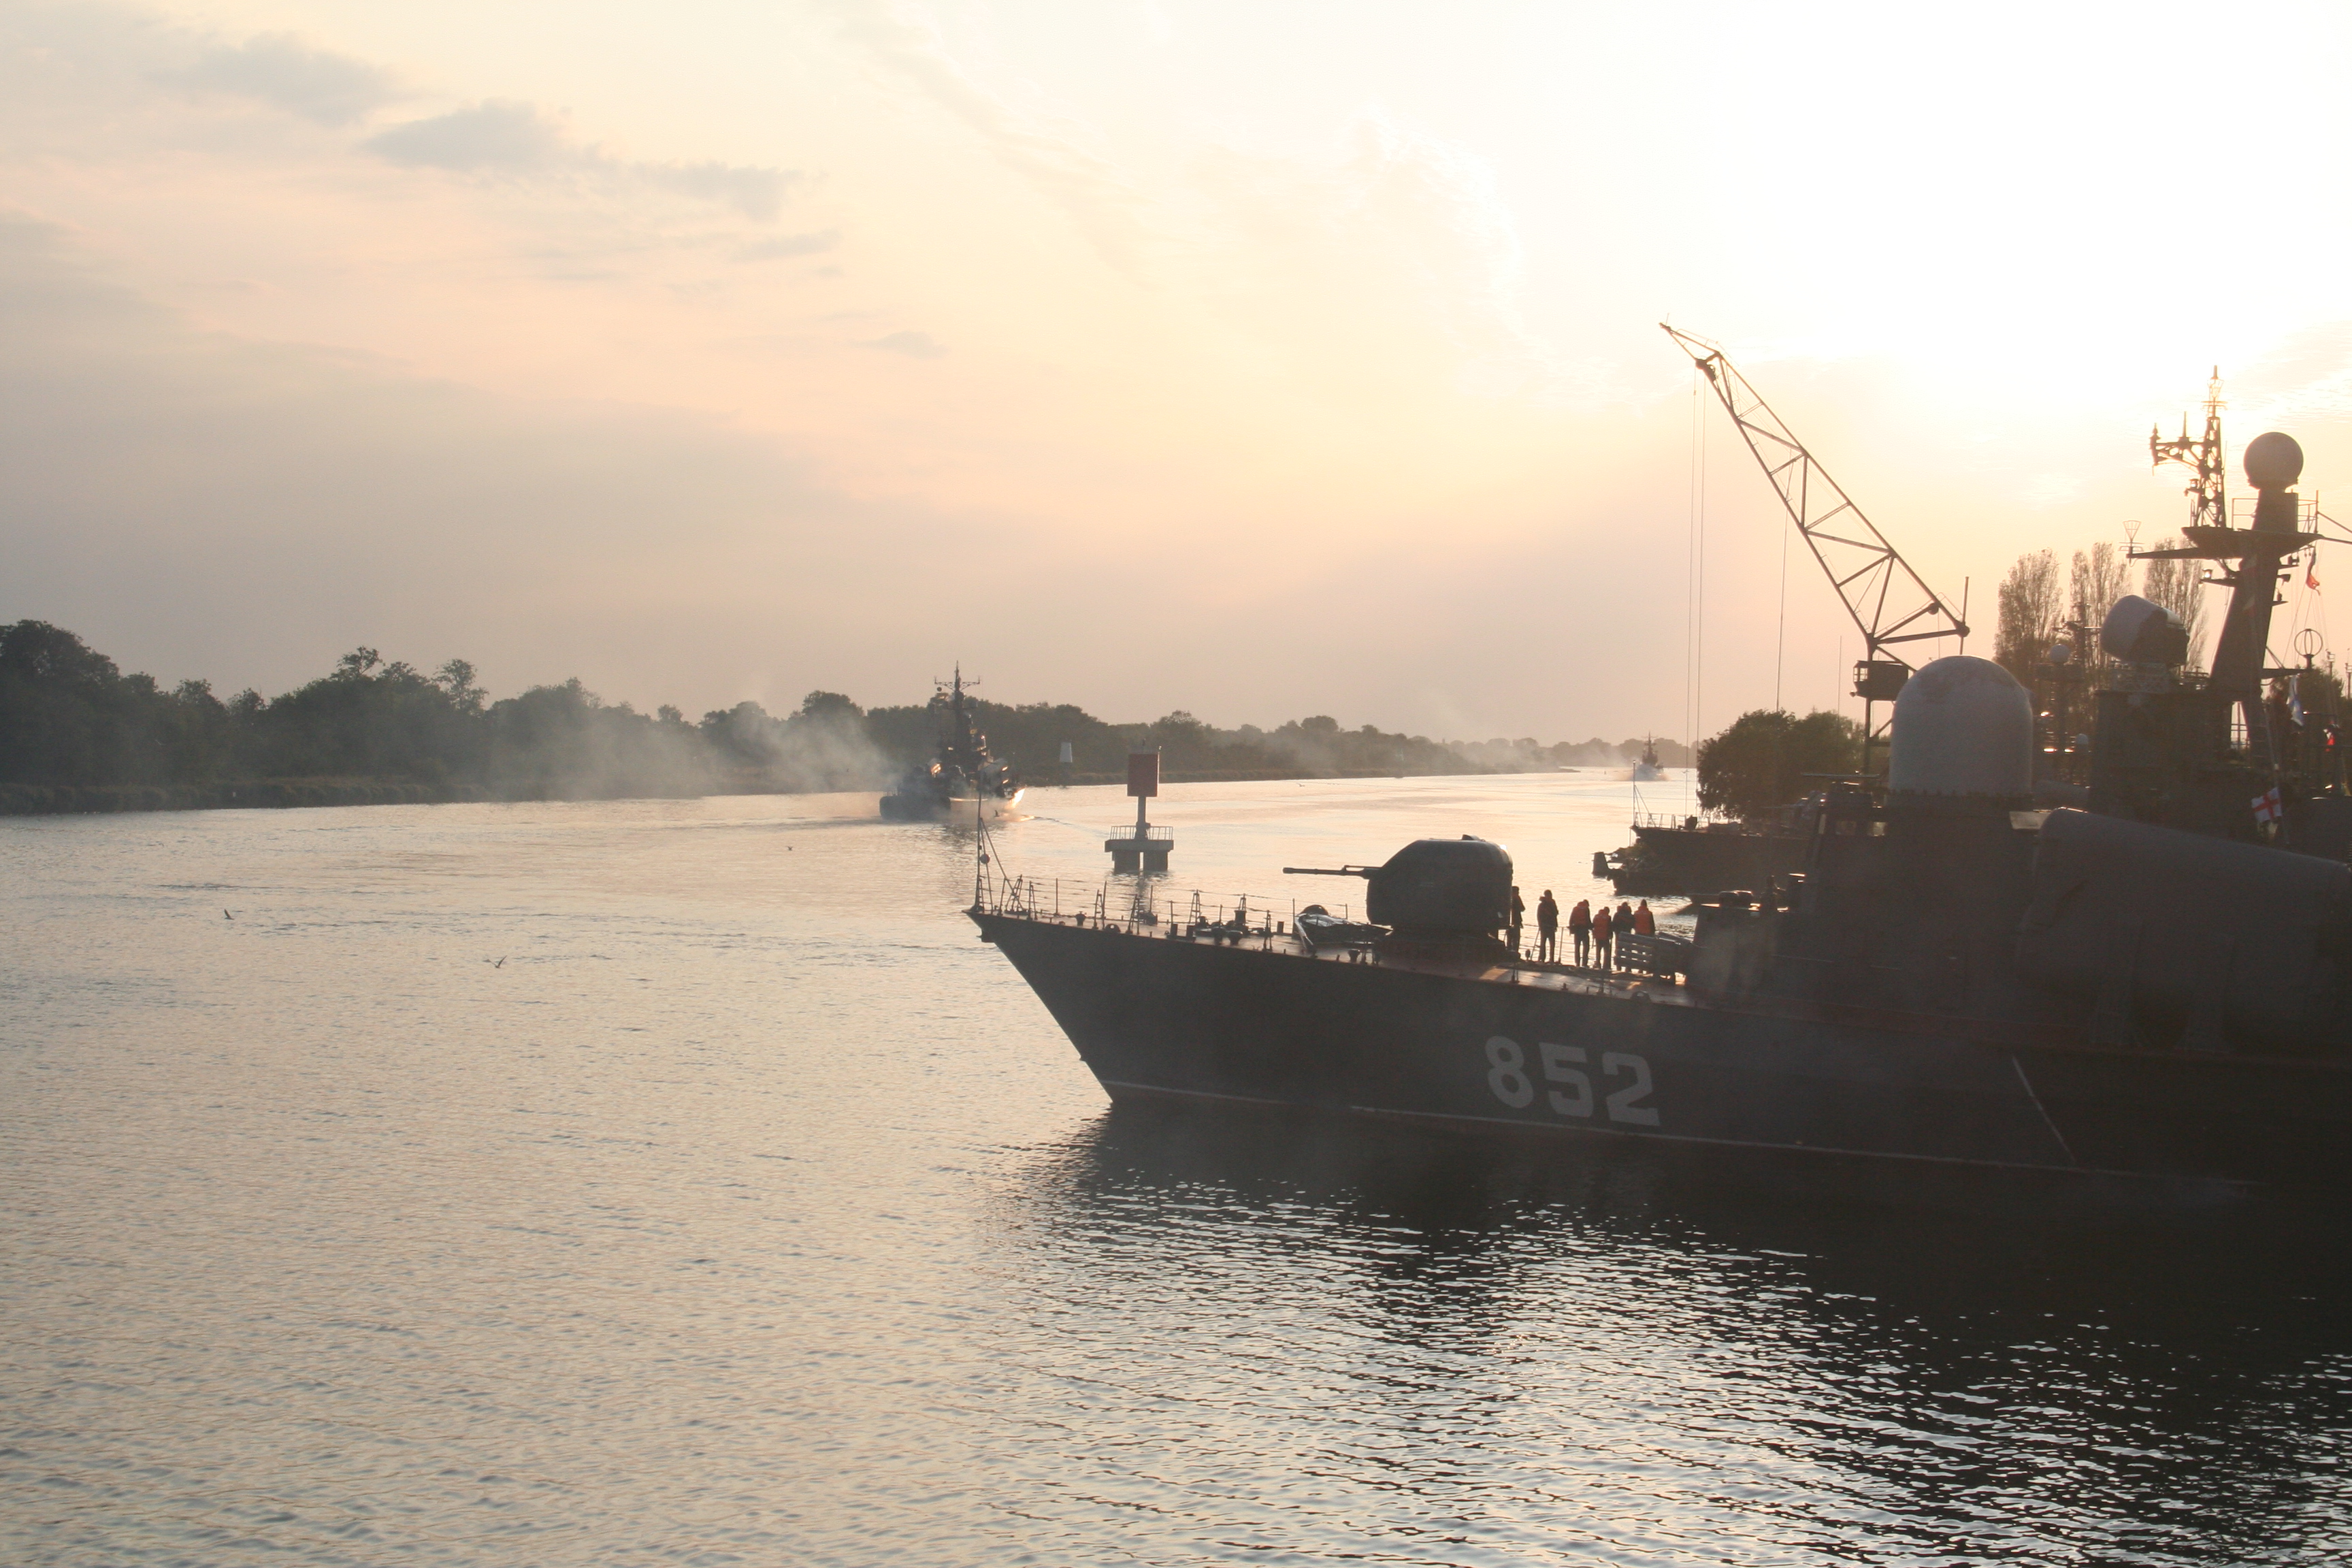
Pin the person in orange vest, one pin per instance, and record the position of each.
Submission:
(1601, 933)
(1579, 930)
(1644, 921)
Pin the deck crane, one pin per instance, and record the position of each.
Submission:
(1890, 605)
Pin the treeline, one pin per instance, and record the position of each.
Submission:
(78, 734)
(2038, 610)
(1032, 736)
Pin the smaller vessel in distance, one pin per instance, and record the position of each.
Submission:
(1687, 855)
(961, 776)
(1647, 769)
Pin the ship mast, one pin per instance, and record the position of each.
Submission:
(2240, 653)
(2208, 507)
(1891, 606)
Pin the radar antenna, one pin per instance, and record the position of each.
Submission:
(1889, 604)
(2208, 506)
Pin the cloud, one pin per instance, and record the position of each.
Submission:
(755, 193)
(280, 70)
(497, 136)
(914, 345)
(786, 246)
(1098, 197)
(501, 136)
(2306, 374)
(1391, 224)
(201, 504)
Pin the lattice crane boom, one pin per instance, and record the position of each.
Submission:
(1890, 604)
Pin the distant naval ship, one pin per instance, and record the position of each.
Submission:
(961, 775)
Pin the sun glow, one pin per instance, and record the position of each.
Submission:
(1342, 318)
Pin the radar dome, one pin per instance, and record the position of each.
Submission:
(1963, 726)
(2140, 632)
(2273, 461)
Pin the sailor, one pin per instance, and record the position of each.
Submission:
(1579, 930)
(1600, 928)
(1548, 928)
(1644, 922)
(1519, 920)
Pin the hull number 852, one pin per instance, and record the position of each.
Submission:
(1567, 1082)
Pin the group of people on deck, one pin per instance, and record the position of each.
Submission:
(1592, 933)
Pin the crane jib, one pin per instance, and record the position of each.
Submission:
(1884, 598)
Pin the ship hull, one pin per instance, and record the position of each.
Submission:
(1155, 1017)
(912, 808)
(1695, 860)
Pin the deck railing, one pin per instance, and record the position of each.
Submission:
(1141, 909)
(1681, 818)
(1141, 905)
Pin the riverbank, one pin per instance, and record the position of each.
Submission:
(83, 800)
(76, 800)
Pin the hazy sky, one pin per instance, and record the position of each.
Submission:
(1260, 358)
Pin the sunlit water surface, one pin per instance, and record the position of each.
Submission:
(682, 1182)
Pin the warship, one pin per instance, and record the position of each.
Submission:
(2156, 982)
(962, 775)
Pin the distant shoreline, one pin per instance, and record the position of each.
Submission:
(78, 738)
(280, 794)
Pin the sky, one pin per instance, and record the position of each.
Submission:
(1257, 359)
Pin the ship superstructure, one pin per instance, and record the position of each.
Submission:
(962, 774)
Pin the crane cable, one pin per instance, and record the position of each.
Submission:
(1780, 638)
(1695, 577)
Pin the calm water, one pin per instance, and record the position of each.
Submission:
(752, 1211)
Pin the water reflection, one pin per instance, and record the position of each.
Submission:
(754, 1212)
(1545, 1349)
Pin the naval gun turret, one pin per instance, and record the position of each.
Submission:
(1441, 895)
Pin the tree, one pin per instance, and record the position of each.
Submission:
(2102, 574)
(65, 712)
(36, 650)
(831, 706)
(2032, 615)
(1759, 763)
(1184, 738)
(2179, 586)
(456, 678)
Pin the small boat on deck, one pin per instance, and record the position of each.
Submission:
(1319, 929)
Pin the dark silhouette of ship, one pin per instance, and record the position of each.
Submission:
(1687, 855)
(2159, 986)
(961, 776)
